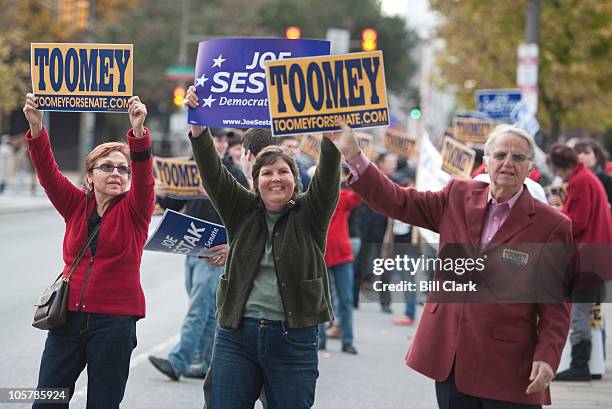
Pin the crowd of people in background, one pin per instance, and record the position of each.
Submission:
(357, 235)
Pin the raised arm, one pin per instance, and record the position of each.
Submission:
(322, 194)
(227, 195)
(423, 209)
(141, 196)
(64, 196)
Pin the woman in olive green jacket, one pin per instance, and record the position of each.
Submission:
(274, 291)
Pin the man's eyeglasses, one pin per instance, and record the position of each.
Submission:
(516, 157)
(108, 168)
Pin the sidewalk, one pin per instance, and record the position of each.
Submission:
(587, 395)
(24, 200)
(14, 202)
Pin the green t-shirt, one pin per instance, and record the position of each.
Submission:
(265, 300)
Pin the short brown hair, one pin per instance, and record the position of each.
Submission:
(104, 149)
(562, 157)
(583, 146)
(268, 156)
(255, 139)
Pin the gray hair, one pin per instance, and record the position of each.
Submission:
(504, 129)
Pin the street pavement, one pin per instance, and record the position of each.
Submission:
(376, 378)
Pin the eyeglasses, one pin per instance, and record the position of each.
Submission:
(516, 157)
(108, 168)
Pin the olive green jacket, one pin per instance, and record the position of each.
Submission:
(298, 238)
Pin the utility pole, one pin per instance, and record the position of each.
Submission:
(532, 24)
(528, 53)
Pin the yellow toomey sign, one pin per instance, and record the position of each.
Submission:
(310, 94)
(82, 77)
(399, 143)
(457, 158)
(473, 130)
(179, 177)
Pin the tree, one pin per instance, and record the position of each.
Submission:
(574, 76)
(314, 17)
(154, 29)
(33, 21)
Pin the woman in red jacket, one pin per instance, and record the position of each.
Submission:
(105, 297)
(339, 263)
(586, 205)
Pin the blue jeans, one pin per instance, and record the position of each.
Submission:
(198, 330)
(409, 296)
(103, 343)
(341, 277)
(266, 354)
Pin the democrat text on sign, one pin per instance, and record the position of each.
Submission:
(82, 77)
(230, 83)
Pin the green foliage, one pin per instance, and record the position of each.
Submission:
(314, 17)
(575, 39)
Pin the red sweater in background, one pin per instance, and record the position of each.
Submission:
(113, 286)
(339, 249)
(586, 205)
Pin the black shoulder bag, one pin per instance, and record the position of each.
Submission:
(52, 306)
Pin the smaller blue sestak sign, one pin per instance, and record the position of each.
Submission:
(178, 233)
(497, 103)
(230, 78)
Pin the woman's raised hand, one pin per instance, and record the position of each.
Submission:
(191, 101)
(33, 115)
(345, 141)
(137, 112)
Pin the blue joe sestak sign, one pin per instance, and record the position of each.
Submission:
(497, 103)
(230, 78)
(182, 234)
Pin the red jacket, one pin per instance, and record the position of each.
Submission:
(586, 205)
(113, 286)
(339, 249)
(491, 345)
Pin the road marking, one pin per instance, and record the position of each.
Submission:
(134, 362)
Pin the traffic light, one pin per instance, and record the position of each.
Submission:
(415, 113)
(179, 96)
(293, 32)
(368, 39)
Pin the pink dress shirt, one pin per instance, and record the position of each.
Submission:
(497, 213)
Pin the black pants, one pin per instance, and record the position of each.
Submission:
(103, 343)
(450, 398)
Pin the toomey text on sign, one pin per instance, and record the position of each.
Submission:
(311, 94)
(82, 77)
(179, 177)
(457, 158)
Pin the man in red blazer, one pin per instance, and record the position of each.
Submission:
(484, 355)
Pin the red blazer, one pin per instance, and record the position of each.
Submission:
(492, 346)
(338, 249)
(113, 286)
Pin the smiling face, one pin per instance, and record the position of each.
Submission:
(508, 164)
(109, 184)
(276, 184)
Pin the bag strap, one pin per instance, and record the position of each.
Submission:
(81, 253)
